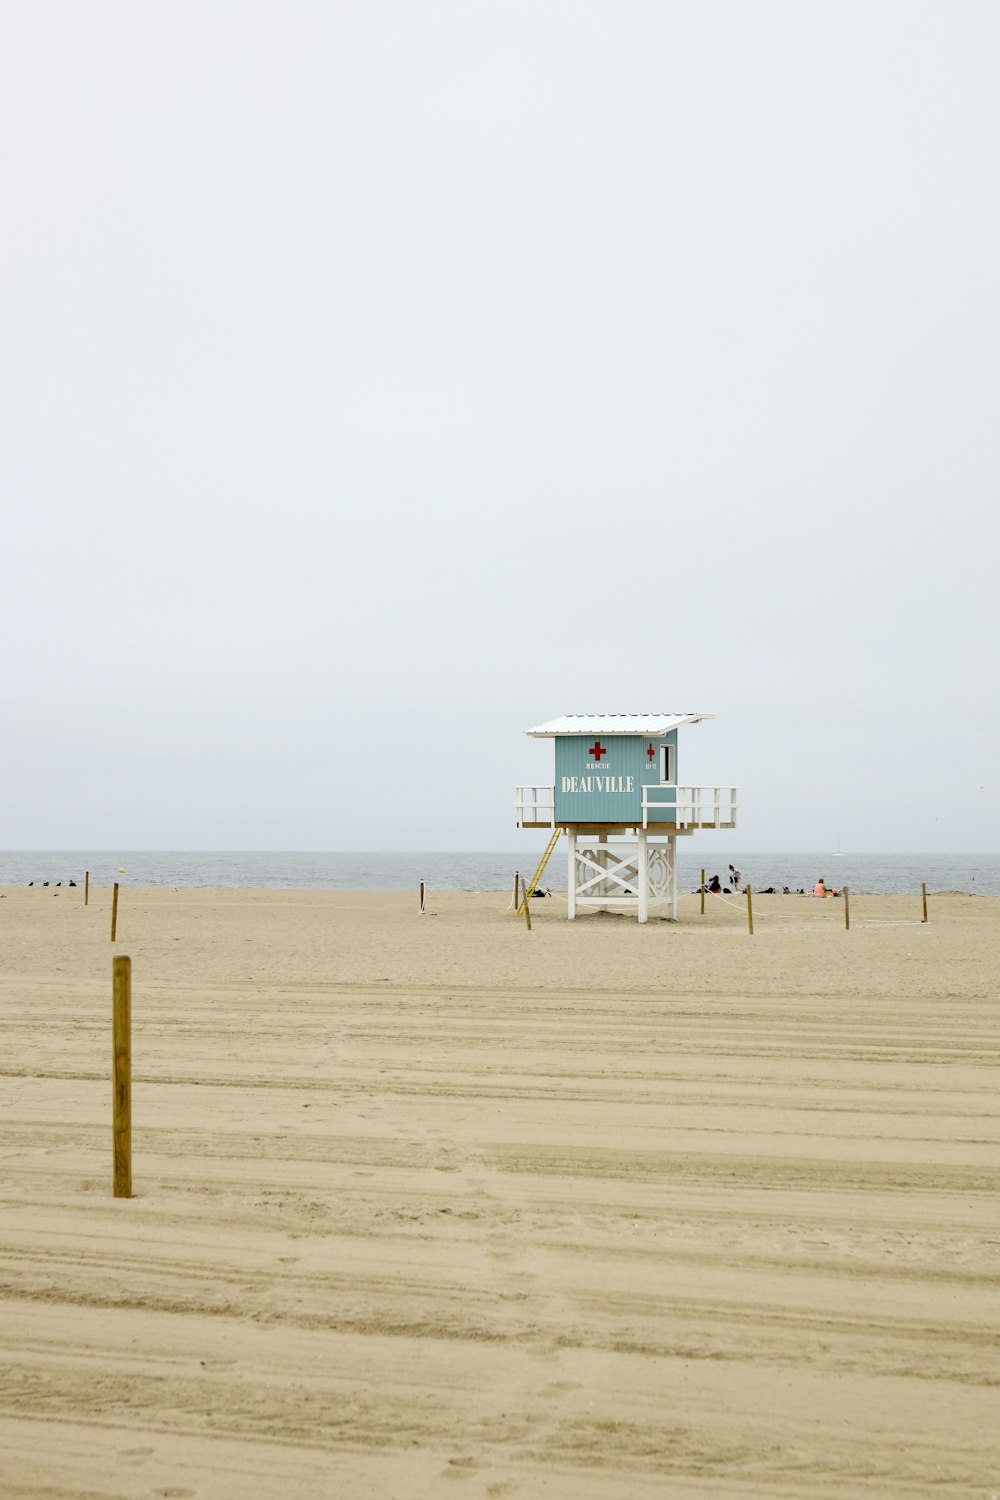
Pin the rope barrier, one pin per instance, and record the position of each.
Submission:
(725, 902)
(771, 916)
(878, 922)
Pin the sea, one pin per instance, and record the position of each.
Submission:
(463, 870)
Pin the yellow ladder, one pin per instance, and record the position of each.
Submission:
(531, 885)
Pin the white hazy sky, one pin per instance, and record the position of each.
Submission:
(379, 379)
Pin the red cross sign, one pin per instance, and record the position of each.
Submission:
(597, 750)
(651, 752)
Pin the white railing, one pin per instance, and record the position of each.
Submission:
(535, 805)
(691, 805)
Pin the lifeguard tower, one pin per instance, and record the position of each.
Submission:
(618, 798)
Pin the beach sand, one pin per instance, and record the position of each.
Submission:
(431, 1205)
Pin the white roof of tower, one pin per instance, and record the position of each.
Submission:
(648, 724)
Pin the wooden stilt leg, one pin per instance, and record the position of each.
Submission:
(571, 885)
(643, 855)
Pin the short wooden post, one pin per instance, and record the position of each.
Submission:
(114, 912)
(421, 897)
(86, 887)
(703, 892)
(847, 909)
(517, 883)
(527, 909)
(923, 888)
(750, 909)
(121, 1026)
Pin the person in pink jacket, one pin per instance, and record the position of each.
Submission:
(820, 887)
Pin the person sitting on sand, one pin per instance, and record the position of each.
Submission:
(820, 888)
(714, 886)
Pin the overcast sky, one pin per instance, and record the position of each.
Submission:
(378, 380)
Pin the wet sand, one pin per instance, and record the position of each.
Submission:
(432, 1205)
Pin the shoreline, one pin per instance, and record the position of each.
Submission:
(557, 889)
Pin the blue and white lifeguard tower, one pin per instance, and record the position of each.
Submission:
(619, 801)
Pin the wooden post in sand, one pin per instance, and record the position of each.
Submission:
(923, 889)
(421, 898)
(517, 882)
(527, 909)
(750, 909)
(703, 892)
(121, 1028)
(114, 912)
(86, 887)
(847, 909)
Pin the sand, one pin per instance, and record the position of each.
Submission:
(431, 1206)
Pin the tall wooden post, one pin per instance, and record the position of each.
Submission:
(527, 910)
(923, 888)
(114, 912)
(121, 1027)
(86, 887)
(847, 908)
(421, 897)
(750, 910)
(703, 892)
(517, 882)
